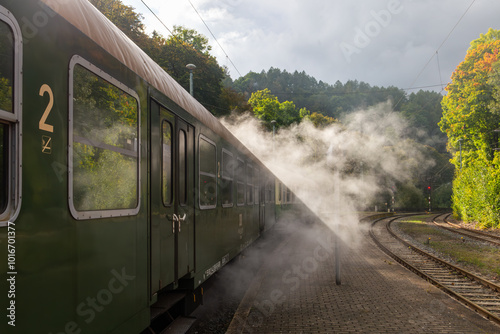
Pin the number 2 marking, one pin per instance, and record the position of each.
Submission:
(42, 125)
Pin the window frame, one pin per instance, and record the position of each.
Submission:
(14, 125)
(230, 178)
(182, 187)
(211, 142)
(256, 186)
(108, 213)
(171, 176)
(240, 180)
(249, 184)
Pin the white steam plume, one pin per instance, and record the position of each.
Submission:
(359, 158)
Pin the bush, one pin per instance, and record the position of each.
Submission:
(476, 195)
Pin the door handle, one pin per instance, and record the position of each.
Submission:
(178, 219)
(174, 219)
(181, 219)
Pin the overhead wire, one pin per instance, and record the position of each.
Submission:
(440, 46)
(201, 18)
(439, 71)
(215, 38)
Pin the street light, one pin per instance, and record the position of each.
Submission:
(273, 122)
(191, 67)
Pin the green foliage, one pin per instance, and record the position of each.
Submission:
(470, 118)
(193, 38)
(124, 17)
(319, 120)
(105, 132)
(173, 54)
(317, 96)
(476, 195)
(5, 95)
(491, 36)
(185, 46)
(423, 112)
(267, 108)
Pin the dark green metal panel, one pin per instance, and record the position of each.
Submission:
(91, 274)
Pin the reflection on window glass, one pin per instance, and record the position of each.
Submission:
(208, 177)
(240, 182)
(6, 67)
(269, 193)
(167, 163)
(256, 196)
(105, 147)
(227, 179)
(4, 170)
(182, 168)
(249, 184)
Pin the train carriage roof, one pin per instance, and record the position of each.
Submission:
(89, 20)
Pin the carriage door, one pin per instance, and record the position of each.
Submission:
(172, 203)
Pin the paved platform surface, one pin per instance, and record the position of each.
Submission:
(295, 292)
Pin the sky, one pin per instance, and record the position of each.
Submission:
(403, 43)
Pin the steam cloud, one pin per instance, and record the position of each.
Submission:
(338, 170)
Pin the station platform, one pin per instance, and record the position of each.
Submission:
(295, 291)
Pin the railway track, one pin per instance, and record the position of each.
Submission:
(479, 294)
(470, 233)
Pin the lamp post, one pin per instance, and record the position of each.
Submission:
(191, 67)
(273, 122)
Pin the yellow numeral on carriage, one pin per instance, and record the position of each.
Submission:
(42, 125)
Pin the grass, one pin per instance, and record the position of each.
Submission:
(473, 256)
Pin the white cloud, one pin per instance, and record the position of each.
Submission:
(394, 39)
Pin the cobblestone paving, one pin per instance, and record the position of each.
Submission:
(295, 292)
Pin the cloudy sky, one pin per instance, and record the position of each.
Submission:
(381, 42)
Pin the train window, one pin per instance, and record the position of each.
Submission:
(249, 184)
(10, 116)
(240, 182)
(256, 180)
(227, 176)
(269, 193)
(280, 192)
(167, 163)
(182, 168)
(104, 151)
(6, 68)
(208, 174)
(4, 166)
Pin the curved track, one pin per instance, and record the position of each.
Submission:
(470, 233)
(479, 294)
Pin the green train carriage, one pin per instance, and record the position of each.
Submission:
(117, 187)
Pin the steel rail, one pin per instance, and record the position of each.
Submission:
(473, 234)
(485, 283)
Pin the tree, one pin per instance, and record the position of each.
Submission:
(470, 117)
(125, 18)
(466, 108)
(193, 38)
(423, 112)
(173, 54)
(185, 46)
(267, 108)
(232, 101)
(319, 120)
(491, 36)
